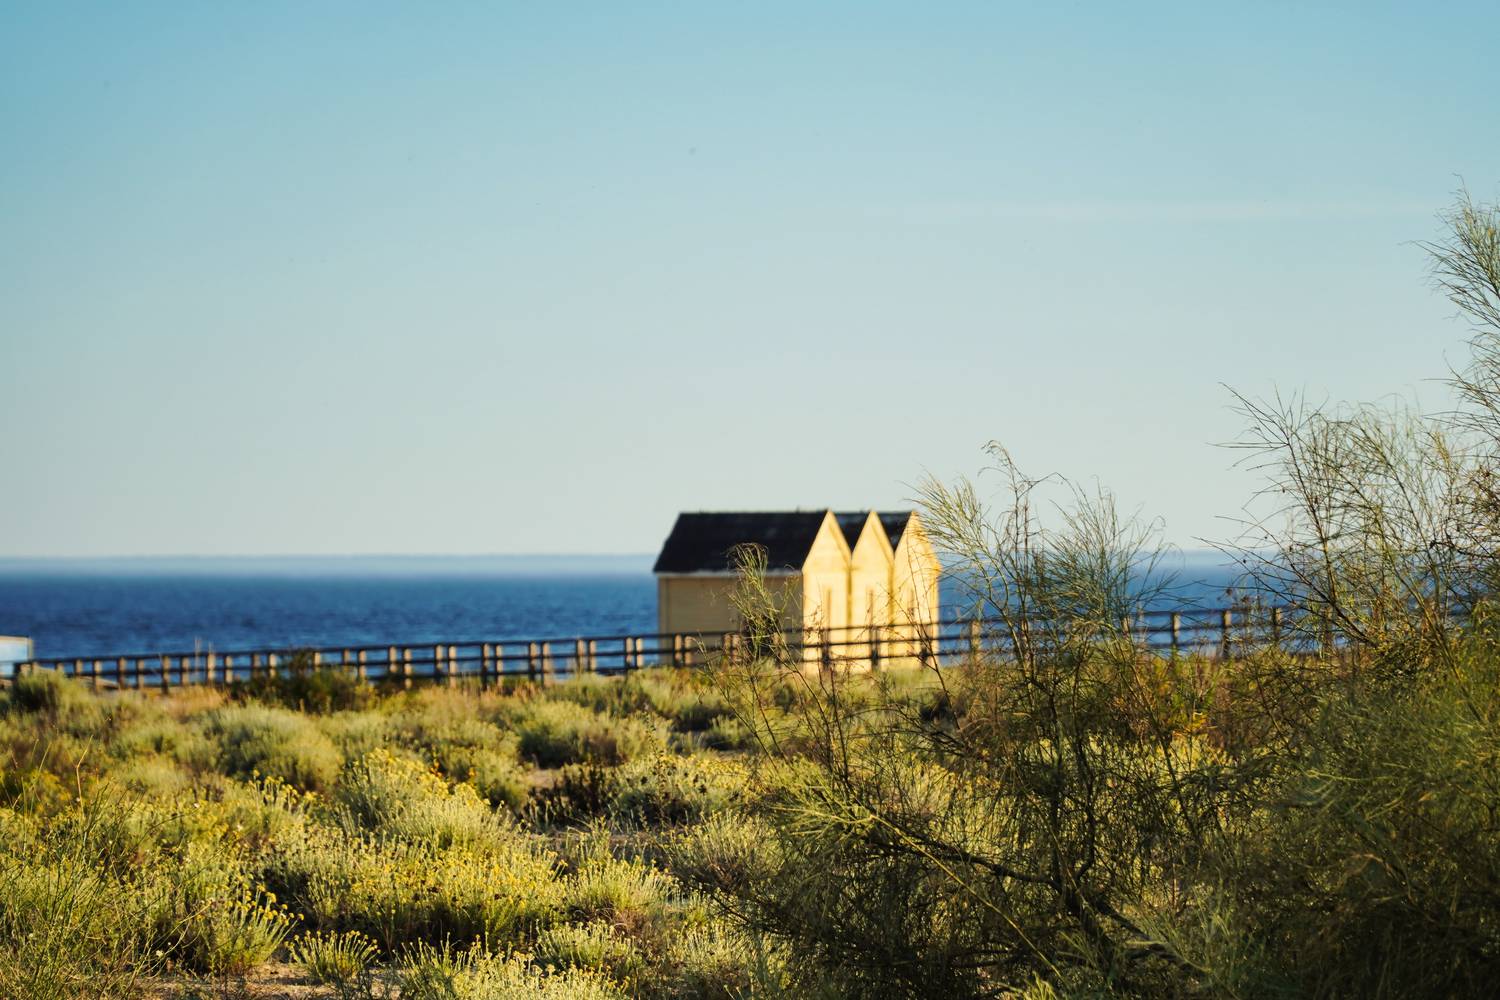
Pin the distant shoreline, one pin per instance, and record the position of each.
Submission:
(325, 566)
(377, 566)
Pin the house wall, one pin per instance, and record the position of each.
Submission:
(825, 580)
(914, 584)
(703, 605)
(870, 592)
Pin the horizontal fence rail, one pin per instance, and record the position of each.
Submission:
(1219, 632)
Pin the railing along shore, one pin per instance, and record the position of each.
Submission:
(1218, 632)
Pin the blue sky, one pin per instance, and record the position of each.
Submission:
(487, 278)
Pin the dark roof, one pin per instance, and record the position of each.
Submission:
(851, 521)
(895, 523)
(703, 542)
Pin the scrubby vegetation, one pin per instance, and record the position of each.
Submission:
(438, 842)
(1067, 814)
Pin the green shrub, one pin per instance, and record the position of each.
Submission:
(357, 733)
(46, 691)
(595, 945)
(259, 739)
(725, 853)
(307, 688)
(219, 920)
(618, 696)
(726, 733)
(67, 705)
(579, 792)
(428, 973)
(394, 796)
(232, 934)
(158, 734)
(684, 697)
(334, 959)
(493, 772)
(715, 963)
(553, 733)
(152, 776)
(1383, 880)
(670, 789)
(72, 927)
(399, 891)
(64, 932)
(466, 748)
(625, 892)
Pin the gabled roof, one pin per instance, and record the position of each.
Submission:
(850, 522)
(703, 542)
(895, 522)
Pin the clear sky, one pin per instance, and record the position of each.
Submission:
(485, 278)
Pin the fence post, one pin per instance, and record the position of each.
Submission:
(974, 649)
(272, 661)
(580, 656)
(1176, 632)
(484, 665)
(210, 663)
(593, 656)
(533, 654)
(452, 665)
(120, 674)
(364, 666)
(875, 643)
(140, 674)
(437, 661)
(166, 675)
(1276, 627)
(1225, 620)
(825, 649)
(406, 668)
(94, 670)
(228, 669)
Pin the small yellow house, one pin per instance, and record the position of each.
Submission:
(807, 569)
(871, 562)
(864, 576)
(914, 582)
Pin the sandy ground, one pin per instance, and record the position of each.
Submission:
(269, 982)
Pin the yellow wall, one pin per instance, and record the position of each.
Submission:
(914, 582)
(702, 605)
(870, 600)
(825, 580)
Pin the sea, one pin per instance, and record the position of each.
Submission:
(77, 608)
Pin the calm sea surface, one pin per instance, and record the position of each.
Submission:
(124, 607)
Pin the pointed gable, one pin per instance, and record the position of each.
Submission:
(851, 523)
(895, 522)
(704, 542)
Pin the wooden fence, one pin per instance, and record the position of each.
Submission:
(1219, 632)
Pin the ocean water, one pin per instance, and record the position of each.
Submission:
(99, 608)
